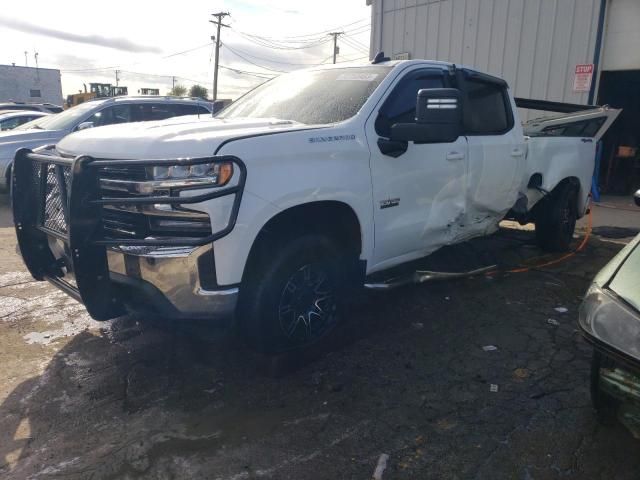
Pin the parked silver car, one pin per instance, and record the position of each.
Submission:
(95, 113)
(610, 320)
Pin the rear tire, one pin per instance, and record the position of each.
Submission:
(556, 219)
(293, 298)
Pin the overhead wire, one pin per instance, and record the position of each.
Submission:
(97, 69)
(232, 50)
(237, 51)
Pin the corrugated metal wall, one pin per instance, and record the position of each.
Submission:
(16, 83)
(533, 44)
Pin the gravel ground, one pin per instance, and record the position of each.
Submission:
(139, 398)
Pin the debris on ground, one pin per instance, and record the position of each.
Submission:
(561, 309)
(418, 325)
(380, 467)
(489, 348)
(521, 373)
(493, 388)
(553, 321)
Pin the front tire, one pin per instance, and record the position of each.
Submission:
(294, 299)
(556, 219)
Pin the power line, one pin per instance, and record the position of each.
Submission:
(236, 50)
(253, 74)
(279, 46)
(97, 69)
(251, 62)
(355, 43)
(316, 35)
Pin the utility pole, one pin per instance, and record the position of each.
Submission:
(336, 49)
(173, 79)
(26, 58)
(117, 77)
(218, 22)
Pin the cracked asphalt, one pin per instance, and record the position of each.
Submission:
(140, 398)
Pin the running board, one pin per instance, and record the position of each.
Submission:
(423, 276)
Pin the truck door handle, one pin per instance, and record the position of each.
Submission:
(455, 156)
(516, 152)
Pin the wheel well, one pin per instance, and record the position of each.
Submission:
(537, 180)
(572, 181)
(335, 219)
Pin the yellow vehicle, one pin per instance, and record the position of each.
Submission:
(78, 98)
(96, 90)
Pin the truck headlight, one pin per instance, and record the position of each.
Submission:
(211, 174)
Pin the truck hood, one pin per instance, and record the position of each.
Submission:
(168, 139)
(12, 141)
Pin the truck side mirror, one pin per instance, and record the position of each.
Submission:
(636, 197)
(438, 118)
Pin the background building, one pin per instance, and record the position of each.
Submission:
(574, 51)
(27, 84)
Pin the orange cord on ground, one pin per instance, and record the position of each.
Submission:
(581, 247)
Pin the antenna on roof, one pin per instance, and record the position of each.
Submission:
(379, 58)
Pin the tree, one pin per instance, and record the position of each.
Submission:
(178, 91)
(198, 91)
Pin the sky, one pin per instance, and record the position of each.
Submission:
(150, 42)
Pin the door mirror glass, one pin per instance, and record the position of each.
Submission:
(438, 118)
(84, 126)
(636, 197)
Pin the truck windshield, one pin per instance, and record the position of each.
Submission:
(311, 97)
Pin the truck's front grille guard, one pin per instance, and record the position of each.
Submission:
(79, 198)
(90, 166)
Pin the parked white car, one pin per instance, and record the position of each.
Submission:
(11, 119)
(313, 183)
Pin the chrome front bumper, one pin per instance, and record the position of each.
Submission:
(172, 272)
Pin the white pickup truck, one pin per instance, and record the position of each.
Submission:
(302, 189)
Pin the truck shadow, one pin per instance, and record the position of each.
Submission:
(124, 401)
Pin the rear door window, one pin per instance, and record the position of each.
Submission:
(486, 110)
(111, 116)
(147, 112)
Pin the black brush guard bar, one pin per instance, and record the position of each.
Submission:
(85, 242)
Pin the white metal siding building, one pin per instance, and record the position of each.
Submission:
(534, 44)
(27, 84)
